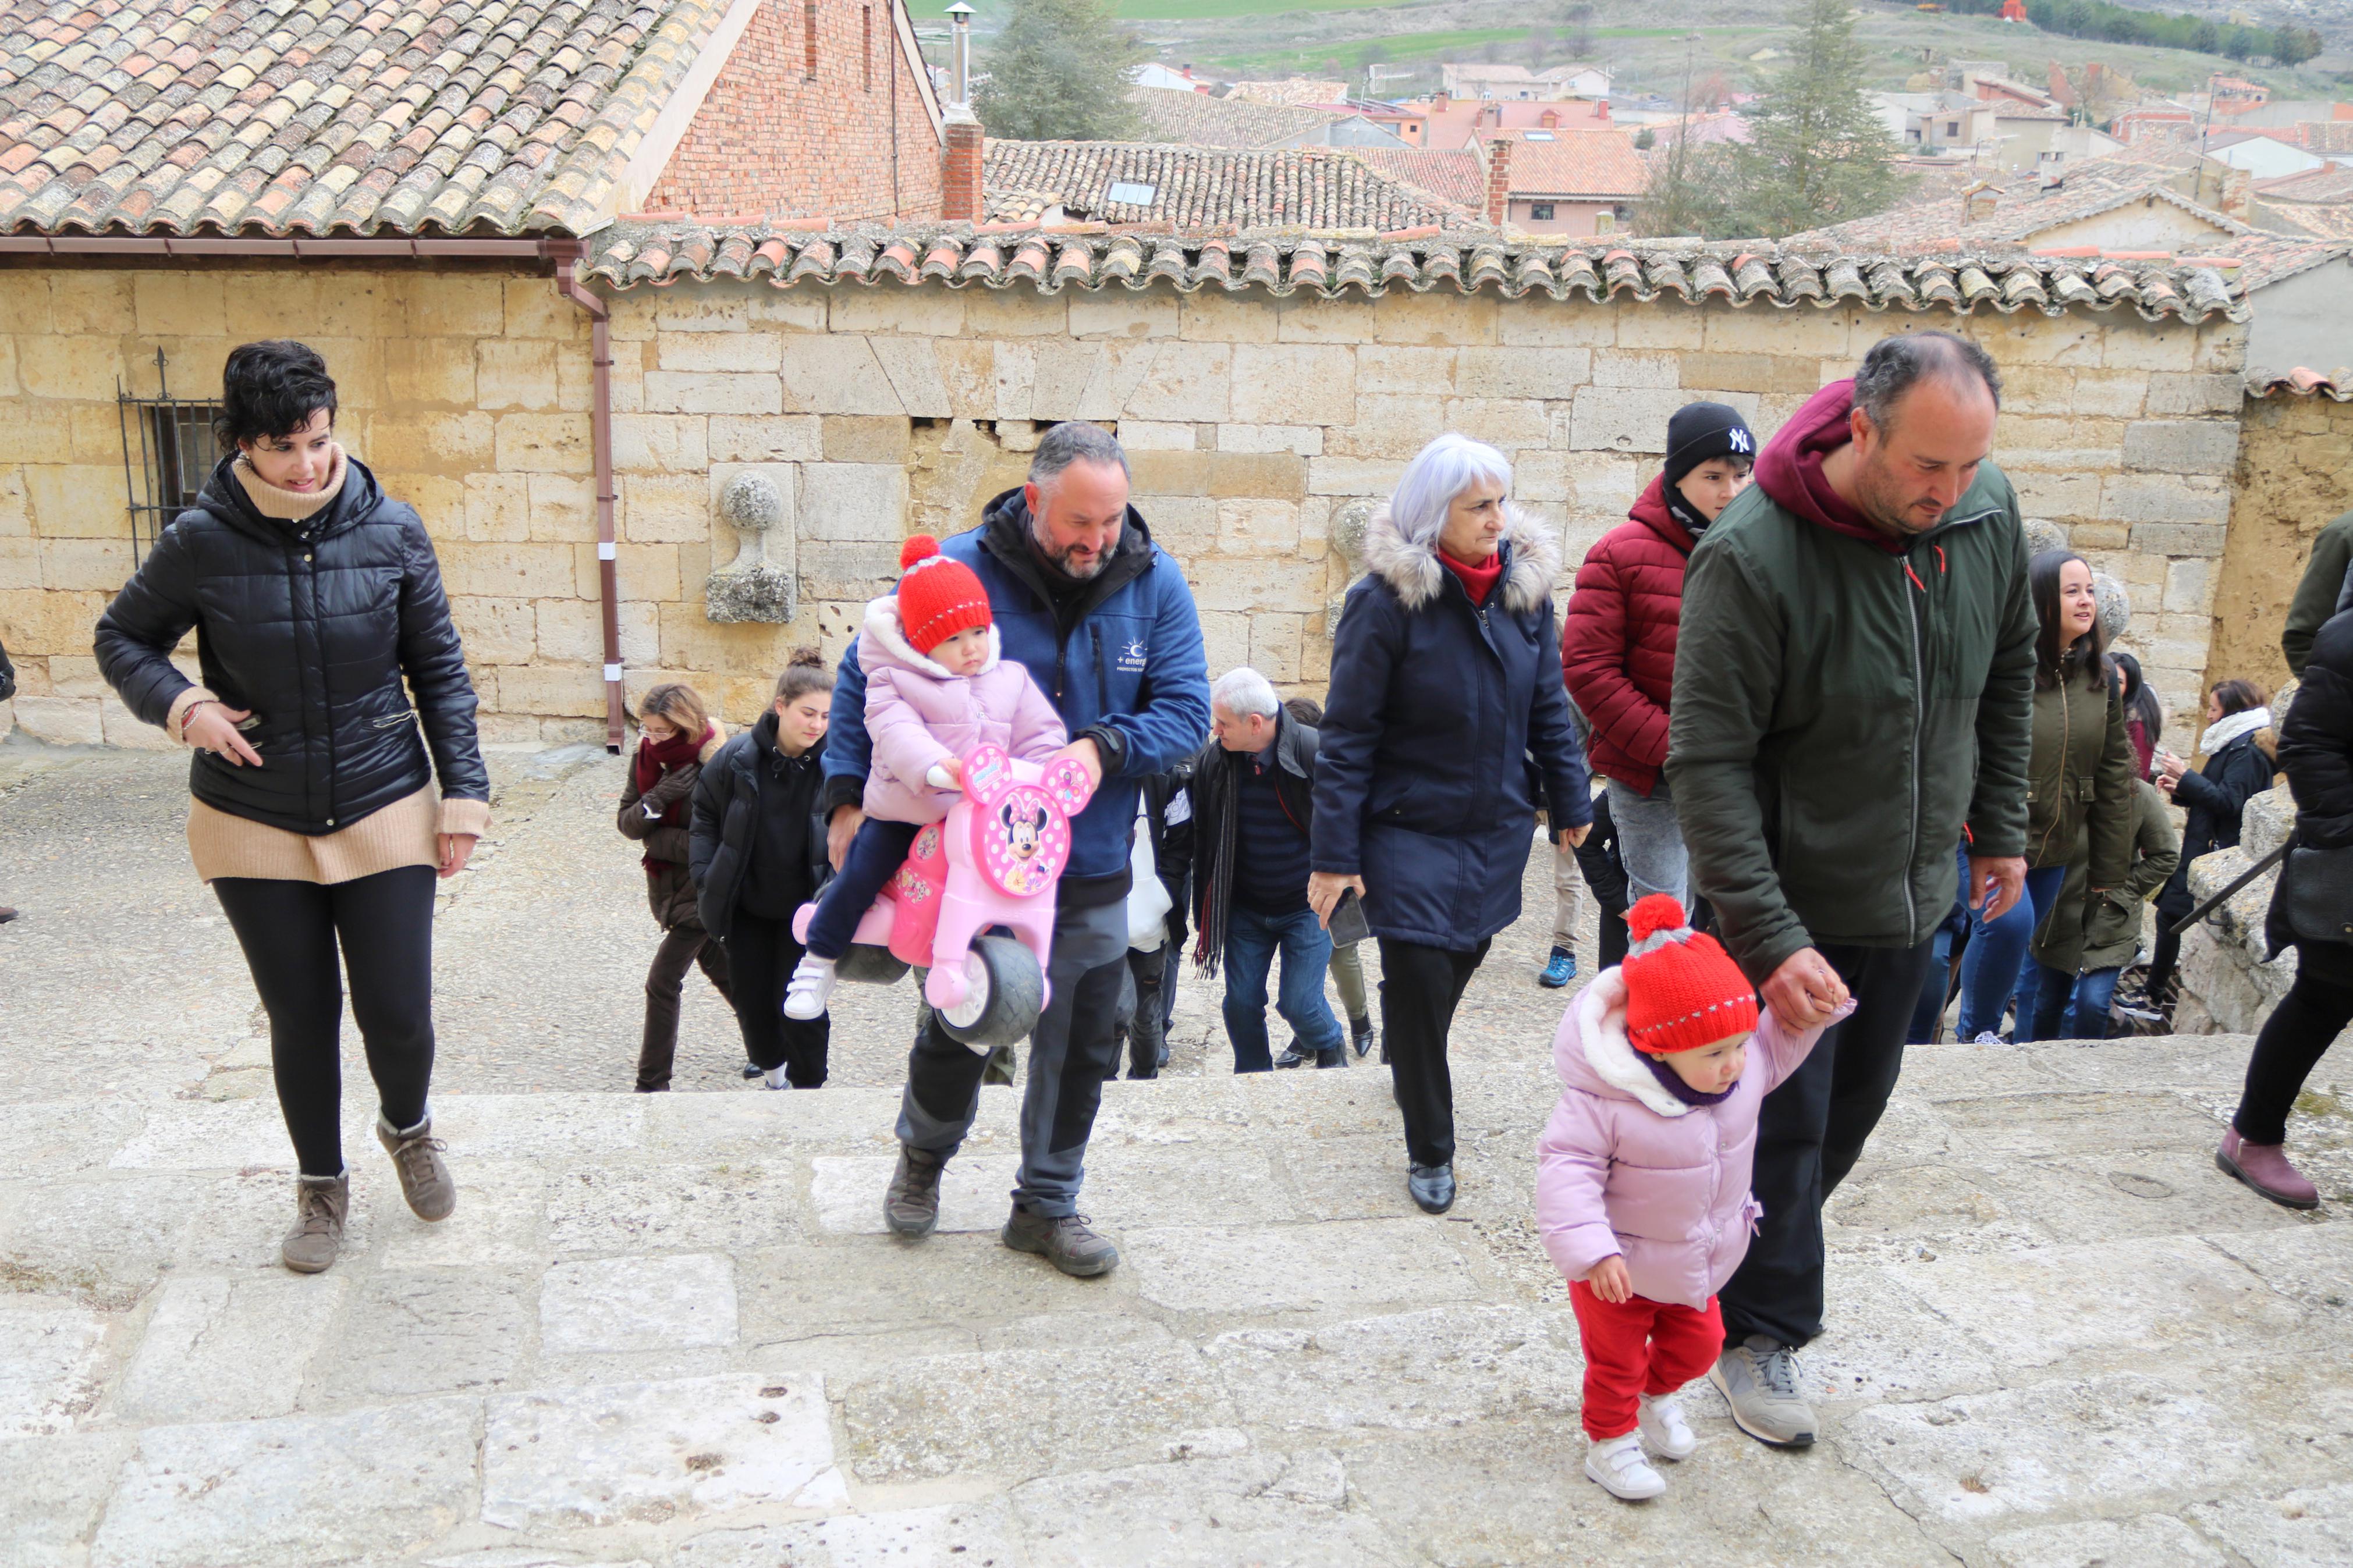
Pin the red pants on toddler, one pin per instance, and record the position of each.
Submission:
(1638, 1346)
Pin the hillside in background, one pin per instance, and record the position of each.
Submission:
(1644, 40)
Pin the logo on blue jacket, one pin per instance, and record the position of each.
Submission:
(1131, 657)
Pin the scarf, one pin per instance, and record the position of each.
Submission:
(647, 768)
(1673, 1082)
(291, 506)
(1220, 816)
(1477, 580)
(2231, 726)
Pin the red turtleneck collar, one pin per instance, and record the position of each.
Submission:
(1477, 580)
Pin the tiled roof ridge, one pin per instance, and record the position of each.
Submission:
(2303, 382)
(1333, 264)
(334, 117)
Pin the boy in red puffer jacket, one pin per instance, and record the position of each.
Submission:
(1618, 645)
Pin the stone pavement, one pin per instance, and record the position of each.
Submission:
(668, 1331)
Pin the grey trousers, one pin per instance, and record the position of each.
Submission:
(1567, 896)
(1073, 1047)
(1650, 843)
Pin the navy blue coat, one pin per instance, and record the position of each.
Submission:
(1122, 661)
(1422, 785)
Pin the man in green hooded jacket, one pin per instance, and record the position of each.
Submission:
(1853, 697)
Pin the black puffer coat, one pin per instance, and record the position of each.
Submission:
(2316, 750)
(749, 777)
(310, 625)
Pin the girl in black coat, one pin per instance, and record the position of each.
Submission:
(1445, 682)
(335, 690)
(2315, 749)
(756, 850)
(2239, 744)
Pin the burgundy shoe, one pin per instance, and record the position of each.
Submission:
(2266, 1168)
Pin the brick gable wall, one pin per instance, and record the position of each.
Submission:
(773, 139)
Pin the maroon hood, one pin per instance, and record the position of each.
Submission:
(1649, 509)
(1789, 469)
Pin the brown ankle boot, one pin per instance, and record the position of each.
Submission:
(2266, 1168)
(319, 1204)
(424, 1179)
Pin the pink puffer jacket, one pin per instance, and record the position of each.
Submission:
(1627, 1168)
(918, 714)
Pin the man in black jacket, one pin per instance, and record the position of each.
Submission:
(1253, 805)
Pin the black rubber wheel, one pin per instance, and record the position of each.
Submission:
(1006, 994)
(870, 965)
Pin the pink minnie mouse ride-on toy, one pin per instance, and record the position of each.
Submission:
(991, 867)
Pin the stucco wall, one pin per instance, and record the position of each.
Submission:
(2304, 320)
(2294, 474)
(881, 409)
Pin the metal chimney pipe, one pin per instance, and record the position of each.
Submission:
(960, 55)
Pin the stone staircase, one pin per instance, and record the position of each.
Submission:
(669, 1330)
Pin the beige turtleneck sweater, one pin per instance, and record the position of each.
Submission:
(401, 834)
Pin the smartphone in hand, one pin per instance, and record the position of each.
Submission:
(1347, 924)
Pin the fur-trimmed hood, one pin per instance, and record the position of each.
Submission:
(1412, 571)
(1600, 1046)
(885, 636)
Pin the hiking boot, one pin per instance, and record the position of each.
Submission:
(424, 1179)
(1616, 1465)
(1558, 971)
(911, 1204)
(1759, 1380)
(1361, 1035)
(1664, 1431)
(2266, 1168)
(1066, 1241)
(320, 1204)
(1432, 1186)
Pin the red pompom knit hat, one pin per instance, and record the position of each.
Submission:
(937, 597)
(1683, 990)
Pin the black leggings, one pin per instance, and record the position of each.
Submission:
(290, 931)
(2293, 1038)
(760, 958)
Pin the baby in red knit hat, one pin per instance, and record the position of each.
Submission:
(1642, 1176)
(936, 687)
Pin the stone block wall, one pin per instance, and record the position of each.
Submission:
(881, 409)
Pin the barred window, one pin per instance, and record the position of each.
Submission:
(168, 452)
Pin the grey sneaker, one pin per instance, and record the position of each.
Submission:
(1759, 1380)
(1066, 1241)
(319, 1204)
(911, 1204)
(424, 1179)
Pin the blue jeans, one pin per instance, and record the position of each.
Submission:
(2044, 995)
(1989, 969)
(1251, 939)
(876, 852)
(1930, 1012)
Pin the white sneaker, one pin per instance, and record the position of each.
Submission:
(1987, 1037)
(1667, 1434)
(1617, 1466)
(810, 988)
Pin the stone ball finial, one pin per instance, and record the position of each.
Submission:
(2042, 534)
(1349, 525)
(752, 502)
(2116, 605)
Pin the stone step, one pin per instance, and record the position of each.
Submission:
(667, 1329)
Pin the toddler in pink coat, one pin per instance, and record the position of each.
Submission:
(937, 685)
(1642, 1176)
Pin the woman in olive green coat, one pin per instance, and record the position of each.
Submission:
(2079, 789)
(2084, 947)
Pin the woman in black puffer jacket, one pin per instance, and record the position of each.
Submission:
(314, 597)
(2315, 749)
(2240, 749)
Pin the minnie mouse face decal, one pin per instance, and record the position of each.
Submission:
(1022, 831)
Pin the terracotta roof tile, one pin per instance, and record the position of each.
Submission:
(1574, 162)
(1197, 120)
(1200, 190)
(1095, 256)
(1456, 176)
(2024, 207)
(367, 116)
(2301, 381)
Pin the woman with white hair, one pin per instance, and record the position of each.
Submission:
(1445, 680)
